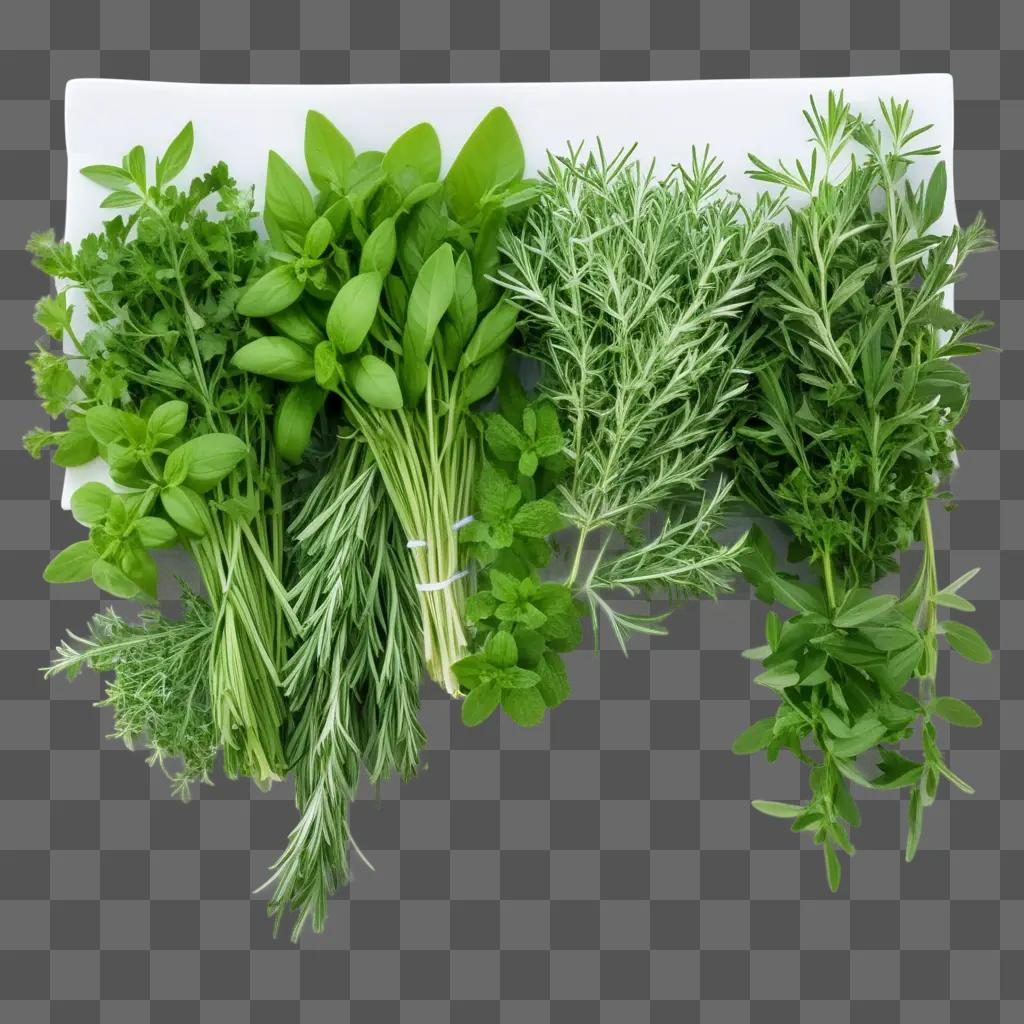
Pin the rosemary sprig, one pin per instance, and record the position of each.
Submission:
(635, 295)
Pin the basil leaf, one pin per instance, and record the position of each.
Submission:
(414, 159)
(73, 564)
(166, 421)
(376, 383)
(491, 333)
(207, 459)
(287, 197)
(293, 421)
(154, 532)
(329, 155)
(352, 311)
(186, 508)
(491, 156)
(429, 299)
(274, 291)
(280, 358)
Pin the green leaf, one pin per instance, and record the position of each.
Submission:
(524, 706)
(121, 200)
(500, 650)
(779, 678)
(553, 685)
(860, 607)
(207, 459)
(774, 809)
(956, 712)
(966, 641)
(491, 156)
(318, 237)
(378, 255)
(329, 155)
(503, 439)
(414, 159)
(154, 532)
(139, 567)
(833, 871)
(53, 314)
(293, 421)
(73, 564)
(293, 322)
(483, 377)
(800, 597)
(352, 311)
(755, 737)
(480, 605)
(537, 519)
(110, 578)
(480, 702)
(107, 425)
(287, 197)
(166, 421)
(462, 310)
(429, 299)
(90, 502)
(274, 291)
(517, 678)
(107, 175)
(934, 196)
(186, 508)
(491, 333)
(325, 365)
(914, 818)
(376, 383)
(175, 157)
(280, 358)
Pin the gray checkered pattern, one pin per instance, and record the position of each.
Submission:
(606, 866)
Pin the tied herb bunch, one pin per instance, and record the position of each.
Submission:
(848, 435)
(380, 295)
(149, 388)
(635, 297)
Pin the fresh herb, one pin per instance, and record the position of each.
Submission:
(151, 390)
(634, 293)
(520, 623)
(160, 690)
(848, 434)
(380, 293)
(352, 682)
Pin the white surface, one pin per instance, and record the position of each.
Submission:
(239, 123)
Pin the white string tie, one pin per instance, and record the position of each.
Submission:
(425, 588)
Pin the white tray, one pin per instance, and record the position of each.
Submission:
(239, 123)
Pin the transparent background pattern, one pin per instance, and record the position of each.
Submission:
(606, 866)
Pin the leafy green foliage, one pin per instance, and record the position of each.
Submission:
(634, 293)
(352, 679)
(148, 386)
(379, 295)
(521, 624)
(159, 692)
(844, 441)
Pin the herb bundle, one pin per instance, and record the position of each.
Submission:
(380, 296)
(150, 390)
(635, 294)
(847, 436)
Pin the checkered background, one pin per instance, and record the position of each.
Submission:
(606, 866)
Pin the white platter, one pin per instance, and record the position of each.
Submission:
(239, 123)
